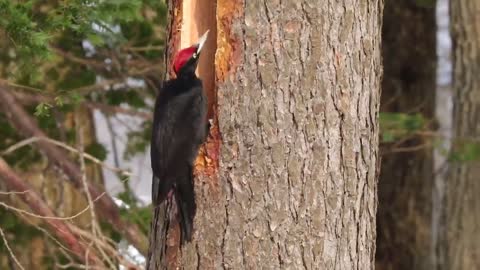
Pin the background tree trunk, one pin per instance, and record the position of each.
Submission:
(461, 245)
(406, 180)
(298, 86)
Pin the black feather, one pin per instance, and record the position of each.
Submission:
(178, 131)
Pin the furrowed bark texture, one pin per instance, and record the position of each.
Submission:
(404, 235)
(298, 109)
(461, 247)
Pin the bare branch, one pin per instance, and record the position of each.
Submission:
(107, 208)
(14, 192)
(104, 244)
(67, 147)
(117, 109)
(10, 250)
(145, 48)
(34, 201)
(25, 87)
(79, 60)
(29, 99)
(52, 217)
(48, 96)
(19, 145)
(95, 228)
(407, 148)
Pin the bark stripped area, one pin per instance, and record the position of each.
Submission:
(461, 244)
(199, 16)
(189, 19)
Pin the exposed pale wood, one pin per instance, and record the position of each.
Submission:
(198, 16)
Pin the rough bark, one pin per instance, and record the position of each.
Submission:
(404, 239)
(461, 245)
(298, 92)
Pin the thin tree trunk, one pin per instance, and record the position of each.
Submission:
(404, 236)
(461, 246)
(293, 184)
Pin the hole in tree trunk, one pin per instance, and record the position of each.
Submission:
(197, 17)
(189, 20)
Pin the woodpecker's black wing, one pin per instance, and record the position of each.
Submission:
(178, 130)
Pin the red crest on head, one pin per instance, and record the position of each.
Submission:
(182, 57)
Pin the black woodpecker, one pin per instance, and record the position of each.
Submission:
(179, 128)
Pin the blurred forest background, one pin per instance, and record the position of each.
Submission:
(79, 73)
(77, 85)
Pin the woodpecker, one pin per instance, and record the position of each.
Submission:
(179, 128)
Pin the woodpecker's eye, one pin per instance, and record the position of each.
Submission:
(195, 55)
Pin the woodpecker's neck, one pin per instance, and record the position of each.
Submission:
(185, 81)
(187, 75)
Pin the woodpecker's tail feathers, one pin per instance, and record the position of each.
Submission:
(185, 195)
(155, 190)
(160, 190)
(186, 223)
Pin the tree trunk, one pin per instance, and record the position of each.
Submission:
(404, 236)
(461, 245)
(292, 182)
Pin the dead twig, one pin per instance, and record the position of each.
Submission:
(95, 228)
(13, 192)
(5, 241)
(65, 146)
(106, 244)
(14, 183)
(106, 207)
(52, 217)
(118, 110)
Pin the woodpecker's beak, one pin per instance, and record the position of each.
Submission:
(202, 41)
